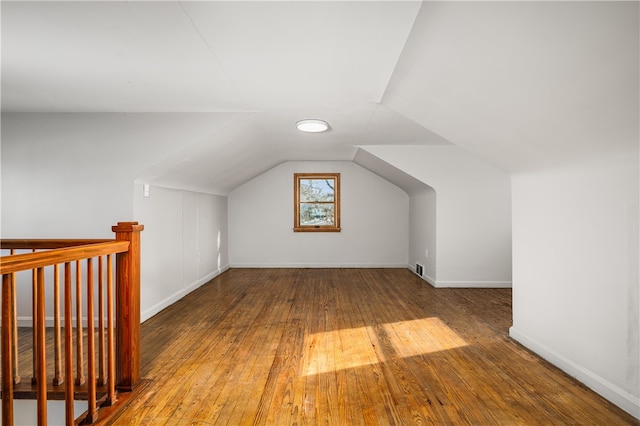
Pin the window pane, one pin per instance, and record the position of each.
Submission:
(316, 214)
(317, 190)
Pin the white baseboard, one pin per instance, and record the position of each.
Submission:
(205, 279)
(424, 276)
(430, 280)
(461, 284)
(48, 321)
(618, 396)
(27, 321)
(153, 310)
(473, 284)
(319, 265)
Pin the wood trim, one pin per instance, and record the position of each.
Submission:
(44, 244)
(57, 344)
(7, 352)
(43, 254)
(68, 347)
(318, 229)
(80, 379)
(296, 203)
(41, 350)
(128, 306)
(28, 261)
(92, 406)
(102, 381)
(111, 357)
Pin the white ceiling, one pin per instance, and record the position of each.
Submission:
(278, 62)
(200, 56)
(509, 81)
(524, 85)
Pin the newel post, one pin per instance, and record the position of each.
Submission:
(128, 307)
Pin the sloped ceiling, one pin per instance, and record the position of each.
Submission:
(399, 178)
(524, 85)
(273, 62)
(520, 84)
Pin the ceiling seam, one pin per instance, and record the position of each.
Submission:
(386, 88)
(210, 49)
(373, 113)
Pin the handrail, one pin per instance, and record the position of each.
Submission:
(48, 243)
(28, 261)
(118, 285)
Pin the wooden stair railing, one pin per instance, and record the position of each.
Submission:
(118, 349)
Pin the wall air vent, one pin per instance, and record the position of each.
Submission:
(419, 269)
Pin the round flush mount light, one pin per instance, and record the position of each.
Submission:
(312, 126)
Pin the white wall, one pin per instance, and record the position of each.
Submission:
(62, 176)
(422, 232)
(548, 91)
(374, 221)
(72, 176)
(575, 236)
(184, 243)
(25, 412)
(473, 226)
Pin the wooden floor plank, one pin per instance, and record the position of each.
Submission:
(348, 346)
(244, 391)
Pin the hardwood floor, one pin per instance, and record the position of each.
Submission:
(348, 347)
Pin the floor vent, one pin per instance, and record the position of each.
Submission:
(419, 269)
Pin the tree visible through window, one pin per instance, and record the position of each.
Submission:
(316, 202)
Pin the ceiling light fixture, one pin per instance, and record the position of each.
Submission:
(312, 126)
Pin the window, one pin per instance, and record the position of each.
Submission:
(316, 202)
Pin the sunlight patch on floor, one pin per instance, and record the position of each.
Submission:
(422, 336)
(360, 346)
(338, 350)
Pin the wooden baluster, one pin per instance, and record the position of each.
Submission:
(102, 379)
(111, 359)
(92, 413)
(128, 306)
(34, 307)
(41, 377)
(14, 325)
(68, 346)
(7, 353)
(58, 378)
(80, 379)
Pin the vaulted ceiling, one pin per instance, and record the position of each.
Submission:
(508, 81)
